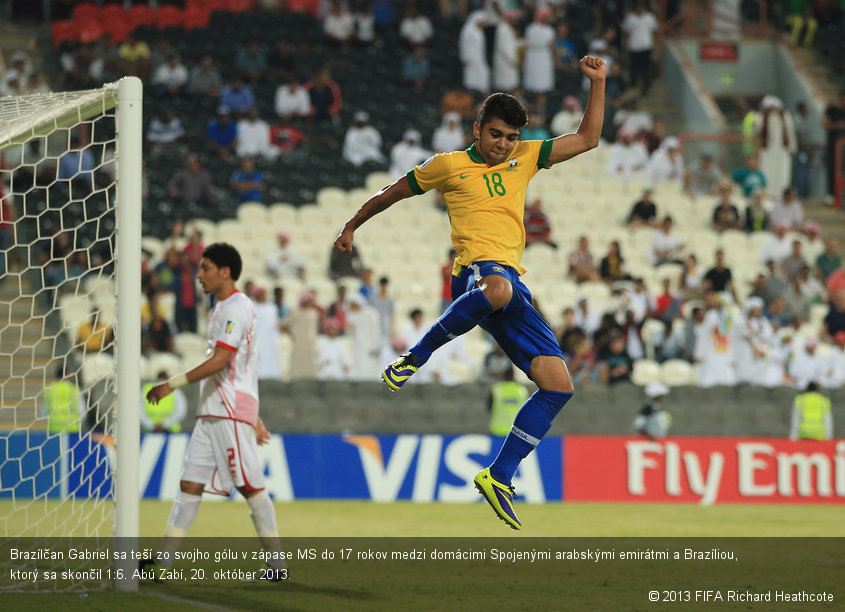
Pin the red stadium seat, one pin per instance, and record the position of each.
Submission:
(239, 6)
(64, 31)
(86, 12)
(117, 29)
(90, 31)
(196, 17)
(213, 5)
(303, 6)
(112, 12)
(142, 14)
(169, 17)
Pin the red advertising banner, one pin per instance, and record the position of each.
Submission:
(703, 470)
(718, 52)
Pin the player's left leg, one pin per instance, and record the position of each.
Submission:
(248, 475)
(530, 343)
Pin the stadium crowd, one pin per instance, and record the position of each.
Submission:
(233, 118)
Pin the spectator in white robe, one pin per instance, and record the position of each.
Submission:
(754, 335)
(254, 137)
(774, 368)
(472, 50)
(778, 246)
(628, 158)
(363, 325)
(568, 118)
(362, 142)
(302, 326)
(667, 163)
(539, 64)
(333, 359)
(506, 52)
(449, 135)
(283, 261)
(833, 376)
(266, 335)
(415, 28)
(407, 153)
(775, 131)
(292, 101)
(714, 345)
(805, 364)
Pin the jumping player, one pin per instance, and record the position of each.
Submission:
(223, 451)
(484, 188)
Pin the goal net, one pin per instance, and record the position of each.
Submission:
(69, 326)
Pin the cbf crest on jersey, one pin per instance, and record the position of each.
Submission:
(230, 325)
(512, 163)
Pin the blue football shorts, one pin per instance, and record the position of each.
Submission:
(518, 328)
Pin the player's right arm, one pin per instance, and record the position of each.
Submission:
(381, 201)
(207, 368)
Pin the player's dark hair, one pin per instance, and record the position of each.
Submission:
(505, 107)
(224, 255)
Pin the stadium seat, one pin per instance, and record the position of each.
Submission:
(90, 31)
(97, 366)
(74, 311)
(64, 31)
(253, 213)
(651, 330)
(377, 180)
(113, 11)
(86, 12)
(196, 16)
(141, 15)
(169, 17)
(117, 29)
(645, 371)
(186, 342)
(239, 6)
(167, 362)
(678, 373)
(282, 214)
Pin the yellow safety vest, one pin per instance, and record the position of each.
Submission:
(61, 403)
(813, 409)
(508, 397)
(162, 411)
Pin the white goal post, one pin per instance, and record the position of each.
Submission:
(71, 190)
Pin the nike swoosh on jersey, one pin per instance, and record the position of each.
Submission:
(463, 176)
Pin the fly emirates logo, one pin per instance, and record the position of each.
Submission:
(736, 470)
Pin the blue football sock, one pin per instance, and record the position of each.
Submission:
(462, 315)
(530, 425)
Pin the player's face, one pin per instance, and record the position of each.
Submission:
(496, 140)
(209, 276)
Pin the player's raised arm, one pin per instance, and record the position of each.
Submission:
(384, 199)
(588, 134)
(210, 366)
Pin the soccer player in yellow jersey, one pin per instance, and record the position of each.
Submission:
(484, 188)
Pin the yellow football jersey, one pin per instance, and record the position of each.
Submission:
(486, 204)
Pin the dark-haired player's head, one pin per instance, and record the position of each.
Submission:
(505, 107)
(497, 129)
(224, 255)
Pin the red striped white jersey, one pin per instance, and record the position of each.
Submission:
(232, 393)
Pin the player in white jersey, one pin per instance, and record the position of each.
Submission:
(223, 451)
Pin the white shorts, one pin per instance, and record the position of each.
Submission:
(223, 454)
